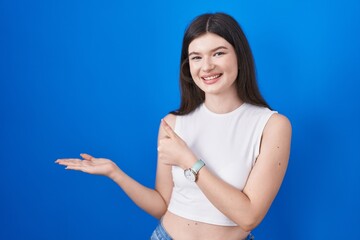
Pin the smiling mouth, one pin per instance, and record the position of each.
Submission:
(209, 78)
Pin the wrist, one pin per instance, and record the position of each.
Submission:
(116, 174)
(190, 161)
(192, 173)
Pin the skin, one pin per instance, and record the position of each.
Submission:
(210, 55)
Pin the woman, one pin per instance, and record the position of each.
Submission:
(222, 155)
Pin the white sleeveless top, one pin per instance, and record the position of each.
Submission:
(228, 144)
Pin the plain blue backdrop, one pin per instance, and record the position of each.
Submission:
(97, 77)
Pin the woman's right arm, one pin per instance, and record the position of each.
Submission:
(152, 201)
(148, 199)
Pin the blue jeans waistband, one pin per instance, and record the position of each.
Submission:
(161, 234)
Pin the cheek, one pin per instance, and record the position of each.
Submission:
(233, 68)
(193, 71)
(235, 72)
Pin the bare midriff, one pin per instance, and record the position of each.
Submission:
(180, 228)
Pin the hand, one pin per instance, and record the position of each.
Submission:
(89, 164)
(172, 150)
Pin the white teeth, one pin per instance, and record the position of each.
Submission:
(211, 77)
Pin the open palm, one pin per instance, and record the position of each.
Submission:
(89, 164)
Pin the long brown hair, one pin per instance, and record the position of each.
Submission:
(228, 28)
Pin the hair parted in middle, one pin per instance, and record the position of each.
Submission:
(228, 28)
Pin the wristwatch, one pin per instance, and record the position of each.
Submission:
(192, 173)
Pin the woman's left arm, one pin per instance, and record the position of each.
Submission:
(247, 208)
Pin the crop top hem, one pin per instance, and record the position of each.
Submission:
(201, 218)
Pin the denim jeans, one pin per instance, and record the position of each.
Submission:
(161, 234)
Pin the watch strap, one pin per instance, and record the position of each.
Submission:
(197, 166)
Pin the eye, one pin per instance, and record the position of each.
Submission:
(196, 58)
(218, 54)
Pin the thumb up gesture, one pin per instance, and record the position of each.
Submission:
(172, 150)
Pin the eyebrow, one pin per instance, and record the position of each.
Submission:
(213, 50)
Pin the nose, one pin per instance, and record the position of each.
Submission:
(208, 65)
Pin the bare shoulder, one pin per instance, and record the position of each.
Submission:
(278, 123)
(276, 135)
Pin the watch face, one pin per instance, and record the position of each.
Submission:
(190, 175)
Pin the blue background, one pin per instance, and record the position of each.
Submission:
(97, 77)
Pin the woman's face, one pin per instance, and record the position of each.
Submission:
(213, 64)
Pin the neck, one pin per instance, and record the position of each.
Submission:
(223, 103)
